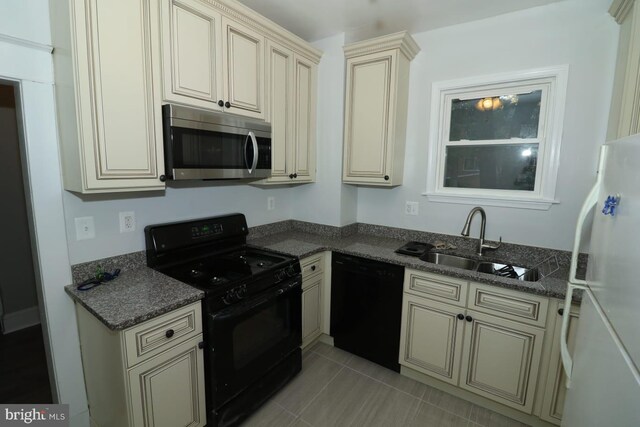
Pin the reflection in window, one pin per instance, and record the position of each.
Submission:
(499, 117)
(497, 167)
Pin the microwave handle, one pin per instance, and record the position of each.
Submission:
(254, 142)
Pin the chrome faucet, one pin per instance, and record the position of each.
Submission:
(483, 217)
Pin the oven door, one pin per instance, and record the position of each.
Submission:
(246, 340)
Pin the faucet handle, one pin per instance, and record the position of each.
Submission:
(492, 247)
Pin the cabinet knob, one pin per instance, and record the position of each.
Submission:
(163, 178)
(386, 177)
(201, 344)
(313, 268)
(221, 103)
(169, 333)
(227, 104)
(290, 176)
(469, 319)
(460, 316)
(561, 311)
(295, 175)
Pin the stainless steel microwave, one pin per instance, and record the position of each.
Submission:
(201, 144)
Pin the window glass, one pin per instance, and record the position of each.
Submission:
(499, 117)
(497, 167)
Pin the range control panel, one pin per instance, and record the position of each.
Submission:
(205, 230)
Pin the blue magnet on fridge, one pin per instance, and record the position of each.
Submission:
(610, 205)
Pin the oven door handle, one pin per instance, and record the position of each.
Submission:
(258, 301)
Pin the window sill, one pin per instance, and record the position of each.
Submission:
(505, 202)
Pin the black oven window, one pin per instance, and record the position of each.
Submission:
(259, 332)
(194, 148)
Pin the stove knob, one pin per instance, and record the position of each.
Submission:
(241, 292)
(290, 271)
(280, 275)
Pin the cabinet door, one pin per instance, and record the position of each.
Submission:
(244, 69)
(121, 123)
(501, 359)
(305, 120)
(555, 389)
(280, 112)
(370, 85)
(168, 390)
(311, 308)
(192, 53)
(431, 338)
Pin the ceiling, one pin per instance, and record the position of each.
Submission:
(360, 19)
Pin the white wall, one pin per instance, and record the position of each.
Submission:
(328, 201)
(578, 33)
(193, 200)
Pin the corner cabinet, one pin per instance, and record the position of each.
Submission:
(490, 345)
(151, 374)
(109, 118)
(376, 100)
(209, 60)
(291, 88)
(313, 279)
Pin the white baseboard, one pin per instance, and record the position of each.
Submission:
(15, 321)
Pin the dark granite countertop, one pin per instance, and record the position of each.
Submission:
(380, 243)
(138, 294)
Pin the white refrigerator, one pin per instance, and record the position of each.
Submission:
(602, 373)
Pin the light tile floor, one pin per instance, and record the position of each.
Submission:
(336, 388)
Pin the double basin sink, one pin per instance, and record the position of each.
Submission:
(498, 269)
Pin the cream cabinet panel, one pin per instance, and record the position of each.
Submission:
(244, 69)
(311, 308)
(109, 118)
(192, 53)
(431, 338)
(376, 99)
(555, 390)
(305, 119)
(501, 359)
(512, 305)
(167, 391)
(436, 286)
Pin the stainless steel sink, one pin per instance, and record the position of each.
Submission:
(508, 270)
(449, 260)
(498, 269)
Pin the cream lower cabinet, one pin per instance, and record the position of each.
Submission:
(474, 344)
(210, 60)
(555, 390)
(151, 374)
(109, 118)
(313, 278)
(291, 90)
(376, 99)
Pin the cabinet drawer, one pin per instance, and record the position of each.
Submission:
(436, 287)
(312, 265)
(157, 335)
(509, 304)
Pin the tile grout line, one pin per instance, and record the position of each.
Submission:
(384, 383)
(318, 394)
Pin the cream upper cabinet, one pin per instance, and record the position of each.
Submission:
(376, 98)
(210, 60)
(291, 88)
(474, 344)
(109, 115)
(624, 119)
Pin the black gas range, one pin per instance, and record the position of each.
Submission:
(251, 312)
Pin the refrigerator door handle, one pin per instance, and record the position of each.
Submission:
(565, 356)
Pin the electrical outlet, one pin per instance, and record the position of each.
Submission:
(271, 203)
(85, 228)
(411, 208)
(127, 222)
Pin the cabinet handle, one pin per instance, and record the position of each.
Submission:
(221, 103)
(169, 333)
(201, 344)
(290, 176)
(386, 177)
(469, 319)
(227, 104)
(460, 316)
(561, 311)
(313, 268)
(163, 178)
(295, 175)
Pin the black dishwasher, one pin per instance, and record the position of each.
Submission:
(366, 308)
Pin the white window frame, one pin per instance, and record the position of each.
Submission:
(553, 82)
